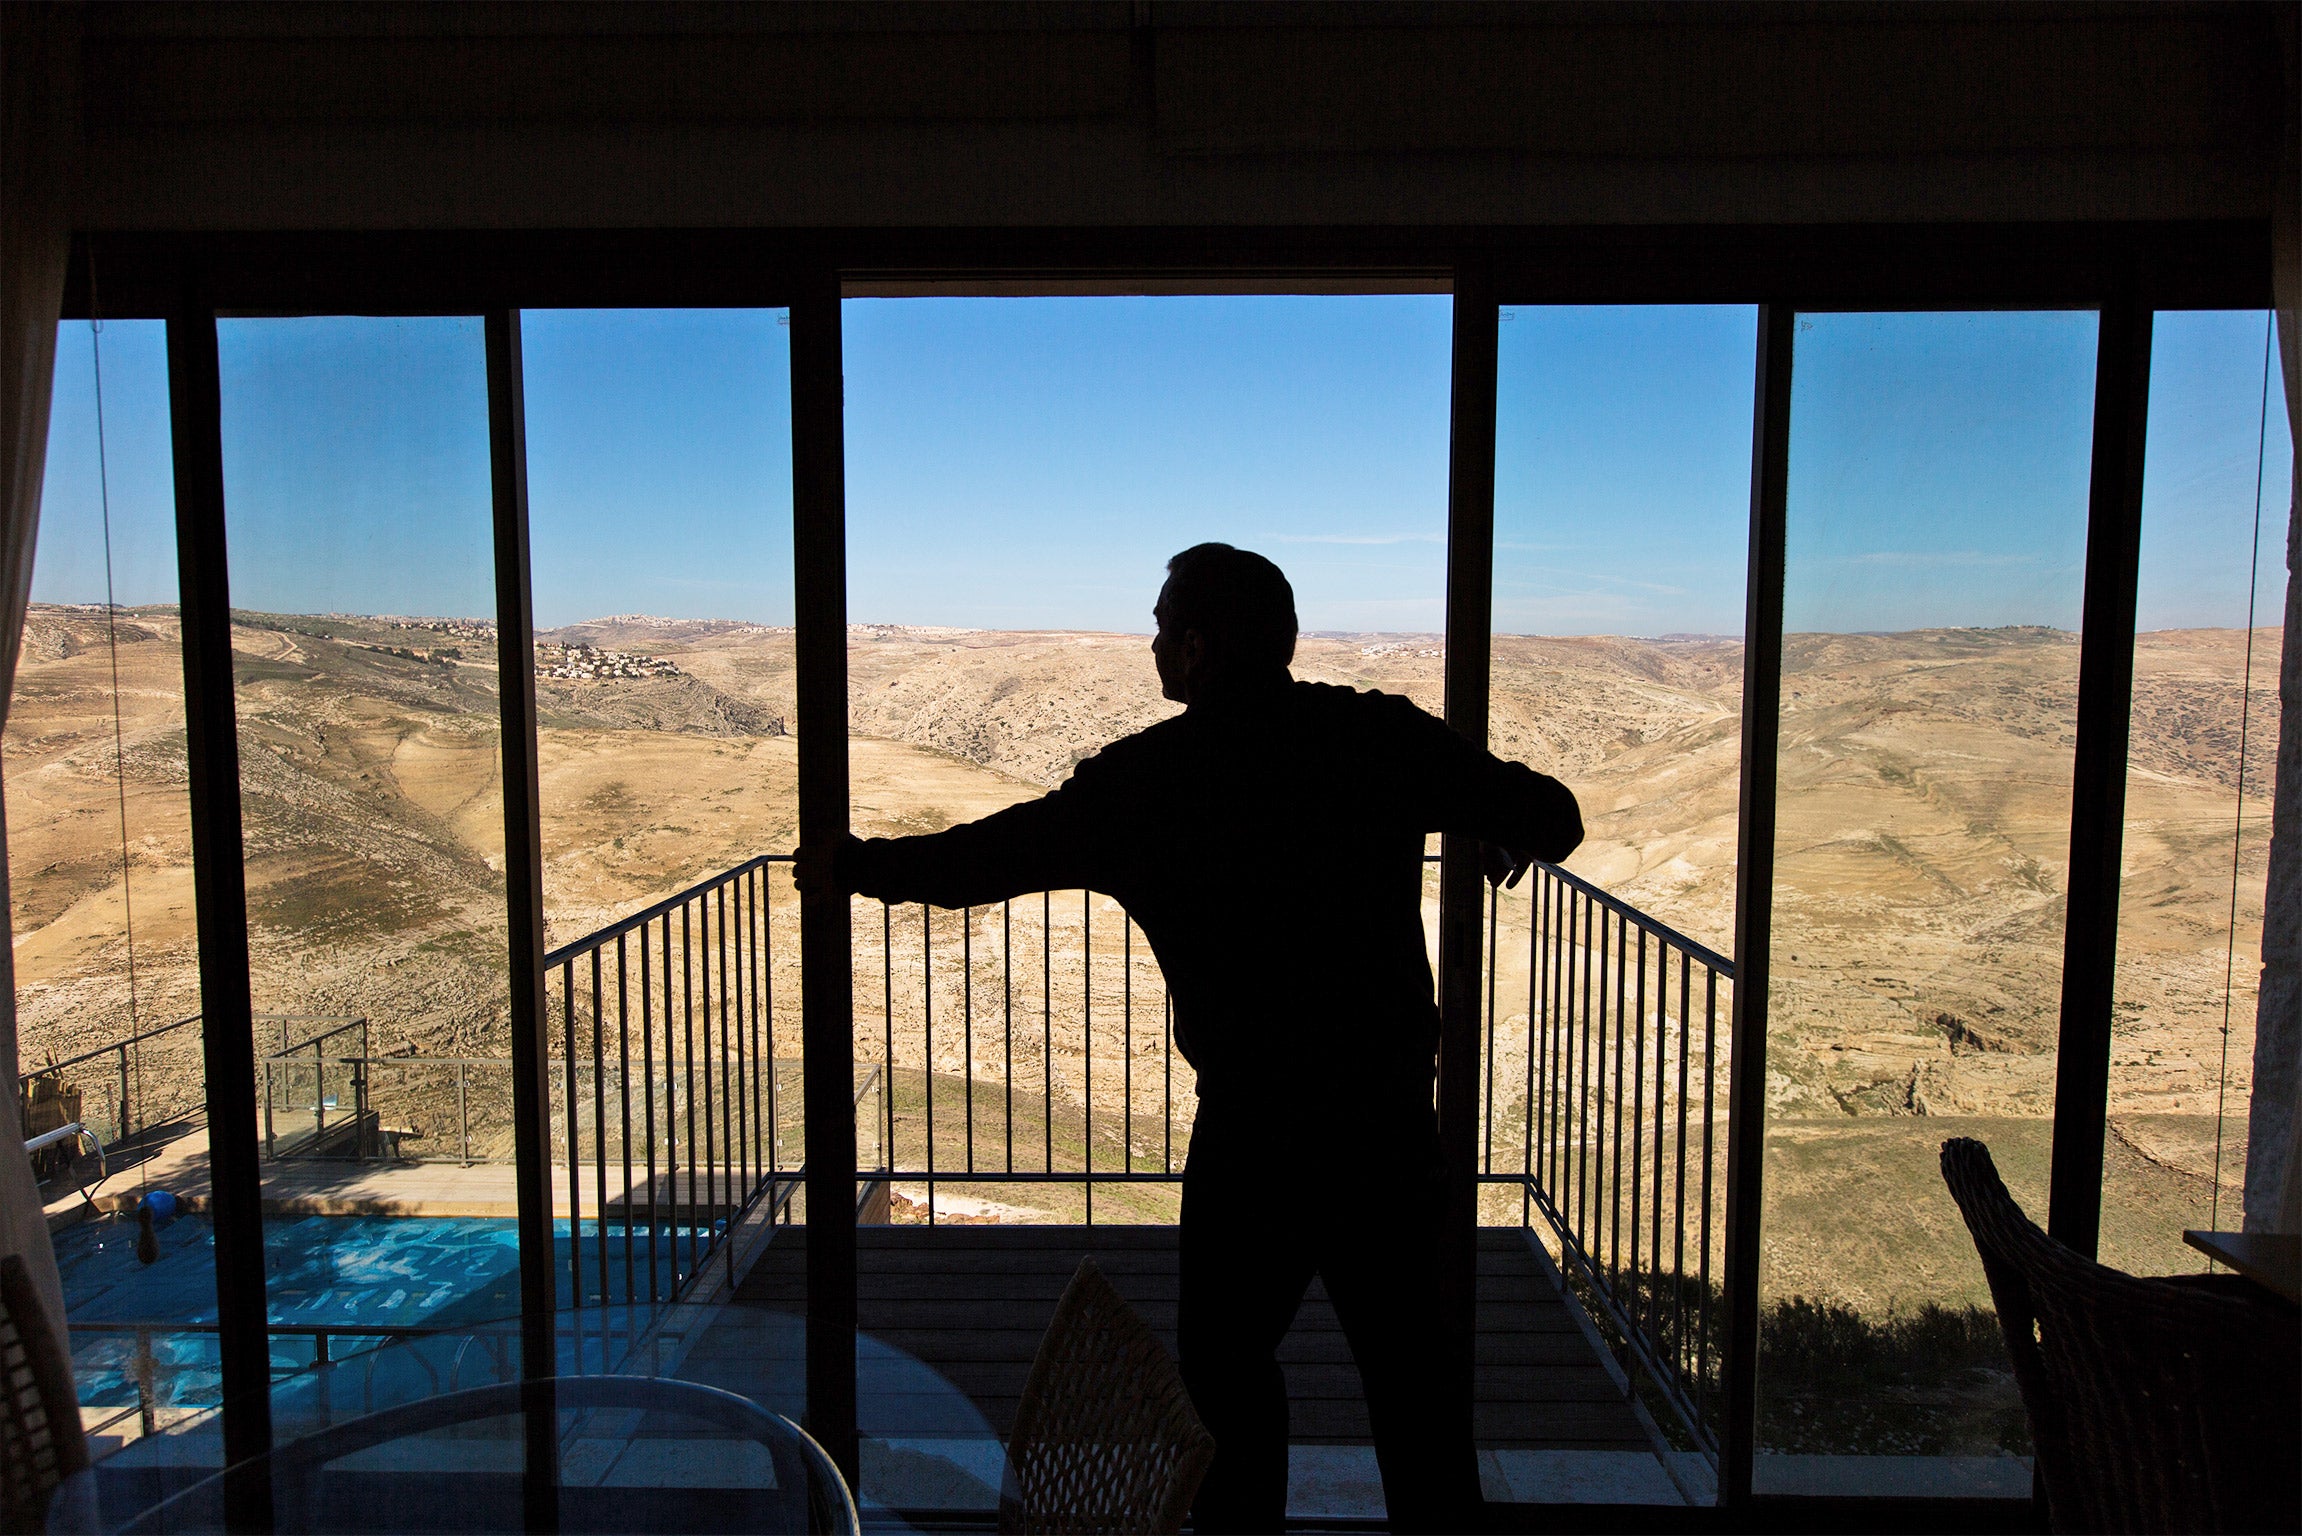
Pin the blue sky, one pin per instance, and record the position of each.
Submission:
(1031, 463)
(1938, 470)
(1622, 469)
(1017, 463)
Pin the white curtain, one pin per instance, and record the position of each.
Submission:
(39, 136)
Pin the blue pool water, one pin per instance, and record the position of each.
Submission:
(338, 1272)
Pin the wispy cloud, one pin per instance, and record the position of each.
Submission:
(1925, 559)
(1564, 583)
(1358, 538)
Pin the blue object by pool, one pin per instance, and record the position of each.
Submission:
(162, 1204)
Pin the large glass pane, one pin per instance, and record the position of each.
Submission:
(100, 880)
(1932, 594)
(1019, 472)
(2201, 768)
(659, 484)
(363, 637)
(1622, 497)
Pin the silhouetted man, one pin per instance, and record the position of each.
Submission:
(1270, 840)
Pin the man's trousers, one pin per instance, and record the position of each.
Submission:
(1262, 1213)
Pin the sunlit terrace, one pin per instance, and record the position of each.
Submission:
(1019, 1105)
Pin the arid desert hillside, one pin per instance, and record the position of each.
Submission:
(1921, 858)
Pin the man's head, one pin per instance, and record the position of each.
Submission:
(1224, 614)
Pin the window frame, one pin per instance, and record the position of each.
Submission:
(2124, 270)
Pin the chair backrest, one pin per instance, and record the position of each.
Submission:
(1105, 1438)
(41, 1443)
(2155, 1404)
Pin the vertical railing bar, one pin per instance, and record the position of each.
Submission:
(731, 1036)
(927, 1040)
(771, 1116)
(599, 1124)
(1007, 1019)
(1587, 962)
(1166, 1078)
(1615, 1173)
(774, 1125)
(1564, 1095)
(1087, 1042)
(1545, 971)
(1586, 1181)
(731, 1110)
(647, 1092)
(1601, 1181)
(671, 1141)
(1047, 1023)
(1638, 1060)
(1593, 1031)
(623, 1096)
(1663, 1058)
(746, 1019)
(967, 1020)
(1582, 1219)
(756, 883)
(1679, 1220)
(575, 1165)
(730, 898)
(1539, 969)
(687, 1062)
(1603, 1185)
(1710, 1093)
(1535, 899)
(1493, 962)
(1127, 1038)
(713, 1144)
(887, 1026)
(755, 938)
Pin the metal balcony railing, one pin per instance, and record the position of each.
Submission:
(1031, 1046)
(1612, 1122)
(672, 1101)
(129, 1111)
(298, 1077)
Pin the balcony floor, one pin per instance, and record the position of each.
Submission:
(972, 1302)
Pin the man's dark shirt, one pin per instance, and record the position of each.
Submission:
(1270, 843)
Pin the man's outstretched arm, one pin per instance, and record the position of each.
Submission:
(1519, 813)
(1040, 845)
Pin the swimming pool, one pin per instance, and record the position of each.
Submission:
(454, 1274)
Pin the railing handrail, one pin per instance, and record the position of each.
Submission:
(1701, 952)
(115, 1045)
(311, 1042)
(141, 1036)
(591, 941)
(1621, 908)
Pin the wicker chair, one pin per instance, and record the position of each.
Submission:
(2154, 1404)
(40, 1439)
(1106, 1439)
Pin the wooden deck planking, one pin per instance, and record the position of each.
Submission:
(973, 1301)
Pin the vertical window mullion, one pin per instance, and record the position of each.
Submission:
(2098, 774)
(1754, 892)
(220, 903)
(1470, 607)
(827, 1007)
